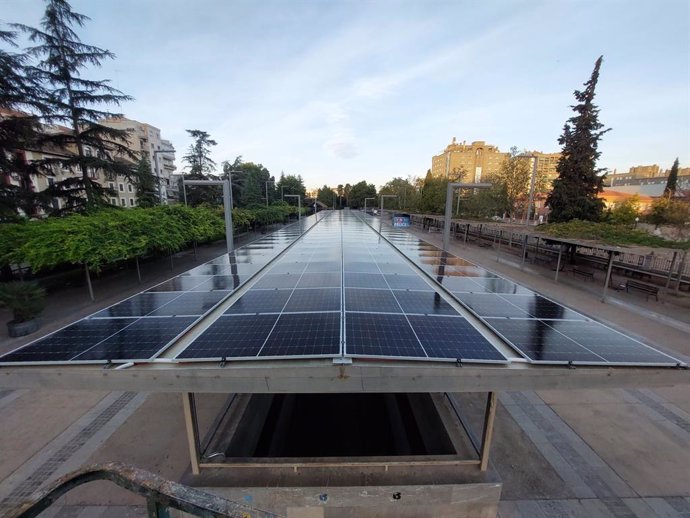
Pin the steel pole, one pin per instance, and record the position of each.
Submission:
(530, 203)
(227, 201)
(447, 217)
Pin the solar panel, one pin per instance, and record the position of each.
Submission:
(310, 334)
(365, 280)
(141, 340)
(490, 305)
(191, 303)
(380, 335)
(453, 337)
(316, 299)
(320, 280)
(182, 283)
(371, 301)
(407, 282)
(65, 344)
(424, 303)
(233, 336)
(260, 301)
(138, 305)
(277, 281)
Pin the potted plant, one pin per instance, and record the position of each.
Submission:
(26, 300)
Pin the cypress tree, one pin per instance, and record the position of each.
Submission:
(201, 167)
(146, 184)
(574, 194)
(672, 181)
(74, 102)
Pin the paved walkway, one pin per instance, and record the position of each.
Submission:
(587, 453)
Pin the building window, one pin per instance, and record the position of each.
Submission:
(113, 201)
(87, 151)
(111, 185)
(129, 187)
(122, 187)
(55, 203)
(122, 202)
(51, 182)
(131, 202)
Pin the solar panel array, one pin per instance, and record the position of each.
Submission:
(541, 330)
(140, 327)
(342, 291)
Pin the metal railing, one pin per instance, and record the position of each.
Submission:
(161, 494)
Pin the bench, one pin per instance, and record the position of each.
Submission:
(583, 273)
(649, 290)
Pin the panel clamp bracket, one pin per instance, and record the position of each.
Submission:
(341, 360)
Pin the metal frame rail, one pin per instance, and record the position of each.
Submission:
(161, 494)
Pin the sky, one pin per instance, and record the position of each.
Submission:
(344, 91)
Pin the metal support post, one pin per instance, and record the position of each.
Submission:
(88, 282)
(488, 433)
(365, 204)
(530, 203)
(449, 206)
(681, 266)
(608, 276)
(524, 251)
(227, 205)
(189, 406)
(670, 268)
(558, 263)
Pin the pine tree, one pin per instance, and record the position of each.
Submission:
(574, 194)
(146, 184)
(672, 181)
(74, 102)
(20, 94)
(201, 167)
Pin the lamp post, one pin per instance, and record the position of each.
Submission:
(158, 174)
(227, 205)
(449, 206)
(365, 204)
(637, 220)
(267, 182)
(299, 204)
(386, 196)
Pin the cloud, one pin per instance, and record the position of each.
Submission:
(342, 145)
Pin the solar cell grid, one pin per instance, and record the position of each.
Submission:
(138, 305)
(314, 299)
(182, 283)
(191, 303)
(277, 281)
(423, 303)
(453, 337)
(320, 280)
(490, 305)
(259, 301)
(380, 335)
(365, 280)
(304, 335)
(371, 301)
(407, 282)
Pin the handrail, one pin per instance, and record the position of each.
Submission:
(161, 494)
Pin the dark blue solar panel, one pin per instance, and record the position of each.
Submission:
(140, 341)
(260, 301)
(139, 305)
(423, 302)
(288, 267)
(191, 303)
(231, 336)
(380, 335)
(539, 307)
(304, 335)
(361, 267)
(323, 266)
(314, 299)
(279, 281)
(320, 280)
(407, 282)
(365, 280)
(371, 301)
(65, 344)
(453, 337)
(182, 283)
(490, 305)
(208, 269)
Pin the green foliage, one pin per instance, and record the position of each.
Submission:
(574, 194)
(433, 198)
(625, 212)
(26, 300)
(486, 203)
(609, 234)
(146, 184)
(326, 195)
(407, 192)
(513, 179)
(358, 192)
(667, 211)
(200, 167)
(291, 184)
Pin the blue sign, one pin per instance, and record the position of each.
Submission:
(401, 220)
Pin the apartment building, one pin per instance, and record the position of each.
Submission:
(478, 159)
(145, 140)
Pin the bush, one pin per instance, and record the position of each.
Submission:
(26, 300)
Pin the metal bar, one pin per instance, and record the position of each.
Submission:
(498, 249)
(192, 430)
(468, 430)
(467, 231)
(88, 282)
(227, 202)
(558, 263)
(530, 203)
(136, 260)
(447, 216)
(670, 268)
(488, 434)
(524, 251)
(334, 464)
(608, 276)
(681, 265)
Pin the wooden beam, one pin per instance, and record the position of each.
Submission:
(192, 426)
(488, 434)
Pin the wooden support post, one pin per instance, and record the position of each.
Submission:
(192, 426)
(488, 433)
(608, 276)
(536, 251)
(88, 282)
(498, 249)
(524, 251)
(467, 231)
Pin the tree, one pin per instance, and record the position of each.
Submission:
(625, 212)
(672, 182)
(358, 192)
(326, 196)
(291, 184)
(513, 179)
(667, 211)
(574, 193)
(405, 190)
(433, 197)
(18, 132)
(146, 184)
(74, 102)
(201, 167)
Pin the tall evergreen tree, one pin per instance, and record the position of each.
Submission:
(574, 193)
(78, 104)
(672, 181)
(20, 97)
(201, 167)
(146, 184)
